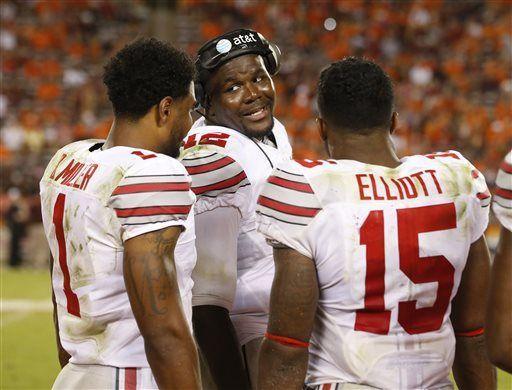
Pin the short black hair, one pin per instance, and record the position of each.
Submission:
(144, 72)
(355, 94)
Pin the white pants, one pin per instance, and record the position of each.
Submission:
(90, 376)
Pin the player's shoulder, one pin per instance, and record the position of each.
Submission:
(446, 158)
(77, 147)
(506, 165)
(132, 160)
(215, 157)
(452, 163)
(503, 191)
(288, 195)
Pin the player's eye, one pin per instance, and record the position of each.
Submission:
(233, 88)
(258, 79)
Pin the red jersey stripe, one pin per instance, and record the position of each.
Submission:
(130, 378)
(293, 185)
(507, 194)
(72, 302)
(152, 210)
(151, 187)
(483, 195)
(438, 155)
(288, 341)
(506, 167)
(471, 333)
(221, 184)
(208, 167)
(326, 386)
(287, 208)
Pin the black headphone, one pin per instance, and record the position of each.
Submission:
(224, 48)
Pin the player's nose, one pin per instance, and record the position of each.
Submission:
(252, 92)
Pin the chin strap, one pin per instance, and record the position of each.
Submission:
(288, 341)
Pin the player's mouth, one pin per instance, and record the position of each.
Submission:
(257, 114)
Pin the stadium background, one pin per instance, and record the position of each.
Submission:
(450, 61)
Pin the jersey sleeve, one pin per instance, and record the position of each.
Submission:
(218, 180)
(153, 194)
(502, 200)
(286, 207)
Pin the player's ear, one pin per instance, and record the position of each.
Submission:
(394, 122)
(322, 130)
(207, 105)
(164, 110)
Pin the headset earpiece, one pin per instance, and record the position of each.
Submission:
(272, 60)
(199, 92)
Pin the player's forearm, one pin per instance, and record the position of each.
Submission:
(282, 367)
(499, 318)
(471, 367)
(173, 359)
(217, 339)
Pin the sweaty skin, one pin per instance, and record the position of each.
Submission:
(241, 96)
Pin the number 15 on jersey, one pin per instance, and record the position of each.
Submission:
(374, 318)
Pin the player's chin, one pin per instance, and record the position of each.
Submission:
(259, 128)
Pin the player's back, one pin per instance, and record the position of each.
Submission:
(389, 246)
(92, 201)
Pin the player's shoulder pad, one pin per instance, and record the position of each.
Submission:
(213, 158)
(146, 162)
(214, 173)
(503, 191)
(288, 196)
(466, 173)
(68, 151)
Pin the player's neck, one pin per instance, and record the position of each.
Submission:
(375, 149)
(131, 134)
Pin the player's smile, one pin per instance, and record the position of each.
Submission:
(242, 96)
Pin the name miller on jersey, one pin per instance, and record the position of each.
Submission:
(75, 174)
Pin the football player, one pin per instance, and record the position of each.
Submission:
(114, 212)
(499, 314)
(381, 263)
(229, 154)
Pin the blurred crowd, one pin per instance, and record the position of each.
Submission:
(450, 62)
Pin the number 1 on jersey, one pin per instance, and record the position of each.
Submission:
(73, 304)
(411, 222)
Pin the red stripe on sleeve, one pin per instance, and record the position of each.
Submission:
(211, 166)
(507, 194)
(506, 167)
(151, 187)
(287, 208)
(221, 184)
(286, 340)
(471, 333)
(130, 378)
(153, 210)
(483, 195)
(438, 155)
(293, 185)
(326, 386)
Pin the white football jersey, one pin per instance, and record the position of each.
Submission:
(389, 246)
(229, 169)
(502, 200)
(92, 201)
